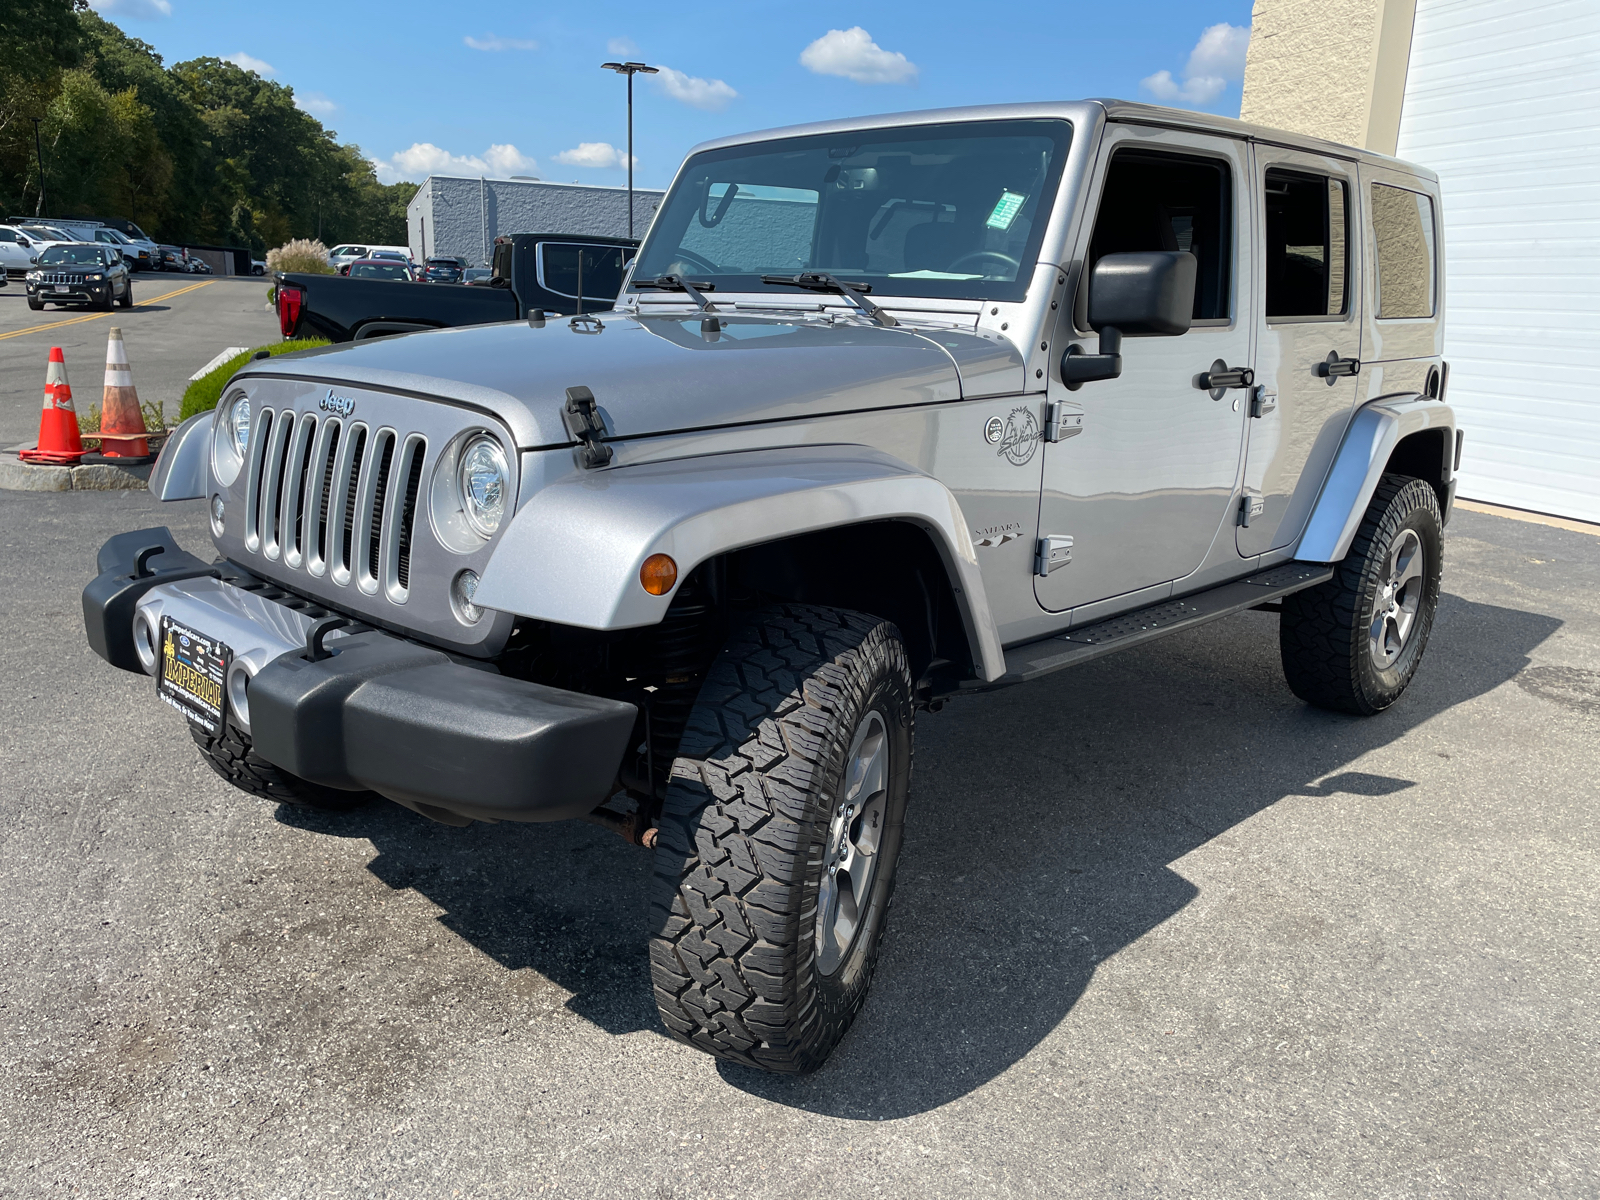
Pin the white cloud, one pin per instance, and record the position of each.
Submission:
(142, 10)
(713, 95)
(1217, 58)
(315, 103)
(495, 42)
(622, 47)
(250, 62)
(424, 159)
(853, 54)
(595, 154)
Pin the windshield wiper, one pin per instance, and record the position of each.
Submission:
(676, 283)
(820, 281)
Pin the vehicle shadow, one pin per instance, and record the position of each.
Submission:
(1041, 826)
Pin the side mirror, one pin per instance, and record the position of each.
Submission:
(1151, 293)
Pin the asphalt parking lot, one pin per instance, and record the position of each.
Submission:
(1161, 930)
(177, 325)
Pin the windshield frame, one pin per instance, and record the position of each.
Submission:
(1061, 128)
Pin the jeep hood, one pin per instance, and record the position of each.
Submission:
(659, 374)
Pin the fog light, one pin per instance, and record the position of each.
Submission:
(462, 590)
(217, 513)
(658, 574)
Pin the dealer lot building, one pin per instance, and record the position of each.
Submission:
(1500, 98)
(460, 216)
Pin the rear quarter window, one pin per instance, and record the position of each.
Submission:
(1402, 224)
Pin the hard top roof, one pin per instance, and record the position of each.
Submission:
(1081, 112)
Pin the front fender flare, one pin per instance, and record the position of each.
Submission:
(180, 472)
(1375, 431)
(572, 553)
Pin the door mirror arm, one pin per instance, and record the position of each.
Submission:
(1079, 367)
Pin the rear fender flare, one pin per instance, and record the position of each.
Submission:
(1368, 445)
(572, 553)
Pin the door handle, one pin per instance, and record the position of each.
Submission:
(1335, 367)
(1221, 377)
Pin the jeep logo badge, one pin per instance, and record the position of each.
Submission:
(341, 406)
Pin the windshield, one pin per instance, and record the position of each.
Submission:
(937, 210)
(380, 270)
(45, 232)
(82, 256)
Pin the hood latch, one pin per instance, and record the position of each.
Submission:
(582, 418)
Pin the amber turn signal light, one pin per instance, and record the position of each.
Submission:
(658, 574)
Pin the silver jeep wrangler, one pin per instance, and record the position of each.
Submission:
(888, 411)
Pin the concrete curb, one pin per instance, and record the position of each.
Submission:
(19, 476)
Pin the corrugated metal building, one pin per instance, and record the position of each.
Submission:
(460, 216)
(1502, 99)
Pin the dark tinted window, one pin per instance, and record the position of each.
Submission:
(1155, 201)
(1403, 223)
(380, 270)
(1307, 232)
(602, 270)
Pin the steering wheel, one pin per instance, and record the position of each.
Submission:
(699, 262)
(993, 255)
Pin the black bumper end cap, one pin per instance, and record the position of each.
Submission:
(130, 564)
(432, 733)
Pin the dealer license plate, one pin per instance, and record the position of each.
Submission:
(194, 673)
(61, 287)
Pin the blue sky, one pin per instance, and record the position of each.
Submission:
(515, 89)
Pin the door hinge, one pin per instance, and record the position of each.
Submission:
(1250, 507)
(1060, 423)
(1262, 402)
(1051, 552)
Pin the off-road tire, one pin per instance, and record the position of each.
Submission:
(743, 836)
(232, 757)
(1323, 631)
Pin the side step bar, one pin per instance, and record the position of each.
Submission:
(1062, 650)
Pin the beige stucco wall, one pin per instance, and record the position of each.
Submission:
(1331, 68)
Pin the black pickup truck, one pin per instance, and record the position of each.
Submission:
(531, 270)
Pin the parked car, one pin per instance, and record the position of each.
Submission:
(257, 267)
(18, 251)
(199, 266)
(80, 273)
(140, 256)
(443, 270)
(343, 255)
(478, 275)
(382, 268)
(174, 258)
(890, 411)
(343, 310)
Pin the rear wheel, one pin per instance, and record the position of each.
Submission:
(1353, 644)
(775, 860)
(232, 757)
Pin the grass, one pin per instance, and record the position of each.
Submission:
(202, 395)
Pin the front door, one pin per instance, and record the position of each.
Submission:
(1147, 477)
(1308, 341)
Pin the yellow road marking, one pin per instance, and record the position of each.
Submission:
(95, 316)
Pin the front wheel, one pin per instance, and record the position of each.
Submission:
(1352, 644)
(781, 828)
(231, 754)
(36, 305)
(127, 295)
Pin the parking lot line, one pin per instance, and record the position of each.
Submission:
(95, 316)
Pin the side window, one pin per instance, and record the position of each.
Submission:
(1403, 223)
(602, 269)
(7, 235)
(1154, 201)
(1307, 232)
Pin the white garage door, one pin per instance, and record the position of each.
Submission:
(1503, 100)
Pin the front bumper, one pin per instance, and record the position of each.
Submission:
(87, 293)
(449, 739)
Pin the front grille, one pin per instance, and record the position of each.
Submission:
(77, 281)
(321, 496)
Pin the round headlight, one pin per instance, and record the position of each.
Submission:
(483, 479)
(239, 424)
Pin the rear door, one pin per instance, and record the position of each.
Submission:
(1144, 486)
(1308, 340)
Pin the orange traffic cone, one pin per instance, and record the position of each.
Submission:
(122, 431)
(58, 424)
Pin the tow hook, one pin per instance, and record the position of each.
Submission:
(634, 828)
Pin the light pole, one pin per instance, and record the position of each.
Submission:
(630, 69)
